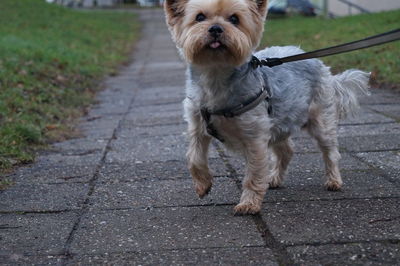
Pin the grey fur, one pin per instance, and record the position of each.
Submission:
(293, 86)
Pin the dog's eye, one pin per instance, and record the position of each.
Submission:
(200, 17)
(234, 19)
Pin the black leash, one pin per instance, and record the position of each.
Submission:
(386, 37)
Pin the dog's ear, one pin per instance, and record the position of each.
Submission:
(262, 6)
(174, 10)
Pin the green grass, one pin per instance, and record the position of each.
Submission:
(315, 33)
(51, 59)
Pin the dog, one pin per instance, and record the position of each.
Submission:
(217, 39)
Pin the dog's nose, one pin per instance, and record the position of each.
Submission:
(215, 30)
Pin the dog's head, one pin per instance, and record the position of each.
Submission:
(216, 32)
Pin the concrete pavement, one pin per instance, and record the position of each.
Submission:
(121, 194)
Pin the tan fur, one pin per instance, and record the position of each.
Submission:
(191, 36)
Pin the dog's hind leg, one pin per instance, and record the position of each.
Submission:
(323, 127)
(283, 152)
(255, 183)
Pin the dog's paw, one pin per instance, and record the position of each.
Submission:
(246, 208)
(203, 189)
(333, 185)
(275, 183)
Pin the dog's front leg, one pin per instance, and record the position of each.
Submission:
(255, 183)
(197, 155)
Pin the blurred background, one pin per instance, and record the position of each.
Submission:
(330, 8)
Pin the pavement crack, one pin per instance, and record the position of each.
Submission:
(344, 242)
(39, 211)
(384, 220)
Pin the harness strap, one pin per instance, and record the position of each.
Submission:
(209, 126)
(386, 37)
(242, 108)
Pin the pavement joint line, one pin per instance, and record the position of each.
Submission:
(103, 114)
(16, 212)
(280, 253)
(367, 124)
(147, 208)
(381, 103)
(57, 183)
(56, 255)
(157, 125)
(147, 179)
(333, 200)
(157, 104)
(154, 125)
(316, 244)
(93, 181)
(385, 114)
(380, 171)
(168, 249)
(143, 135)
(368, 151)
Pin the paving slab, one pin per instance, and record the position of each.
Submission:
(102, 122)
(154, 95)
(43, 197)
(163, 148)
(368, 130)
(388, 161)
(365, 116)
(152, 110)
(129, 131)
(75, 159)
(378, 96)
(83, 143)
(370, 253)
(310, 187)
(389, 110)
(322, 222)
(168, 170)
(153, 119)
(212, 256)
(368, 143)
(164, 228)
(156, 193)
(52, 174)
(306, 163)
(35, 233)
(21, 259)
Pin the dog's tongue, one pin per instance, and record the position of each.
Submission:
(215, 45)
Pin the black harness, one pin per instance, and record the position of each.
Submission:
(263, 95)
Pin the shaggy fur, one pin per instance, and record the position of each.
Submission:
(304, 95)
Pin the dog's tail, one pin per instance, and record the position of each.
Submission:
(346, 85)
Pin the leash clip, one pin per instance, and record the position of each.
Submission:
(269, 62)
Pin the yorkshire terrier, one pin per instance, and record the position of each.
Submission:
(217, 39)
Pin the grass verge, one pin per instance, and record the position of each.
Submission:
(51, 61)
(314, 33)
